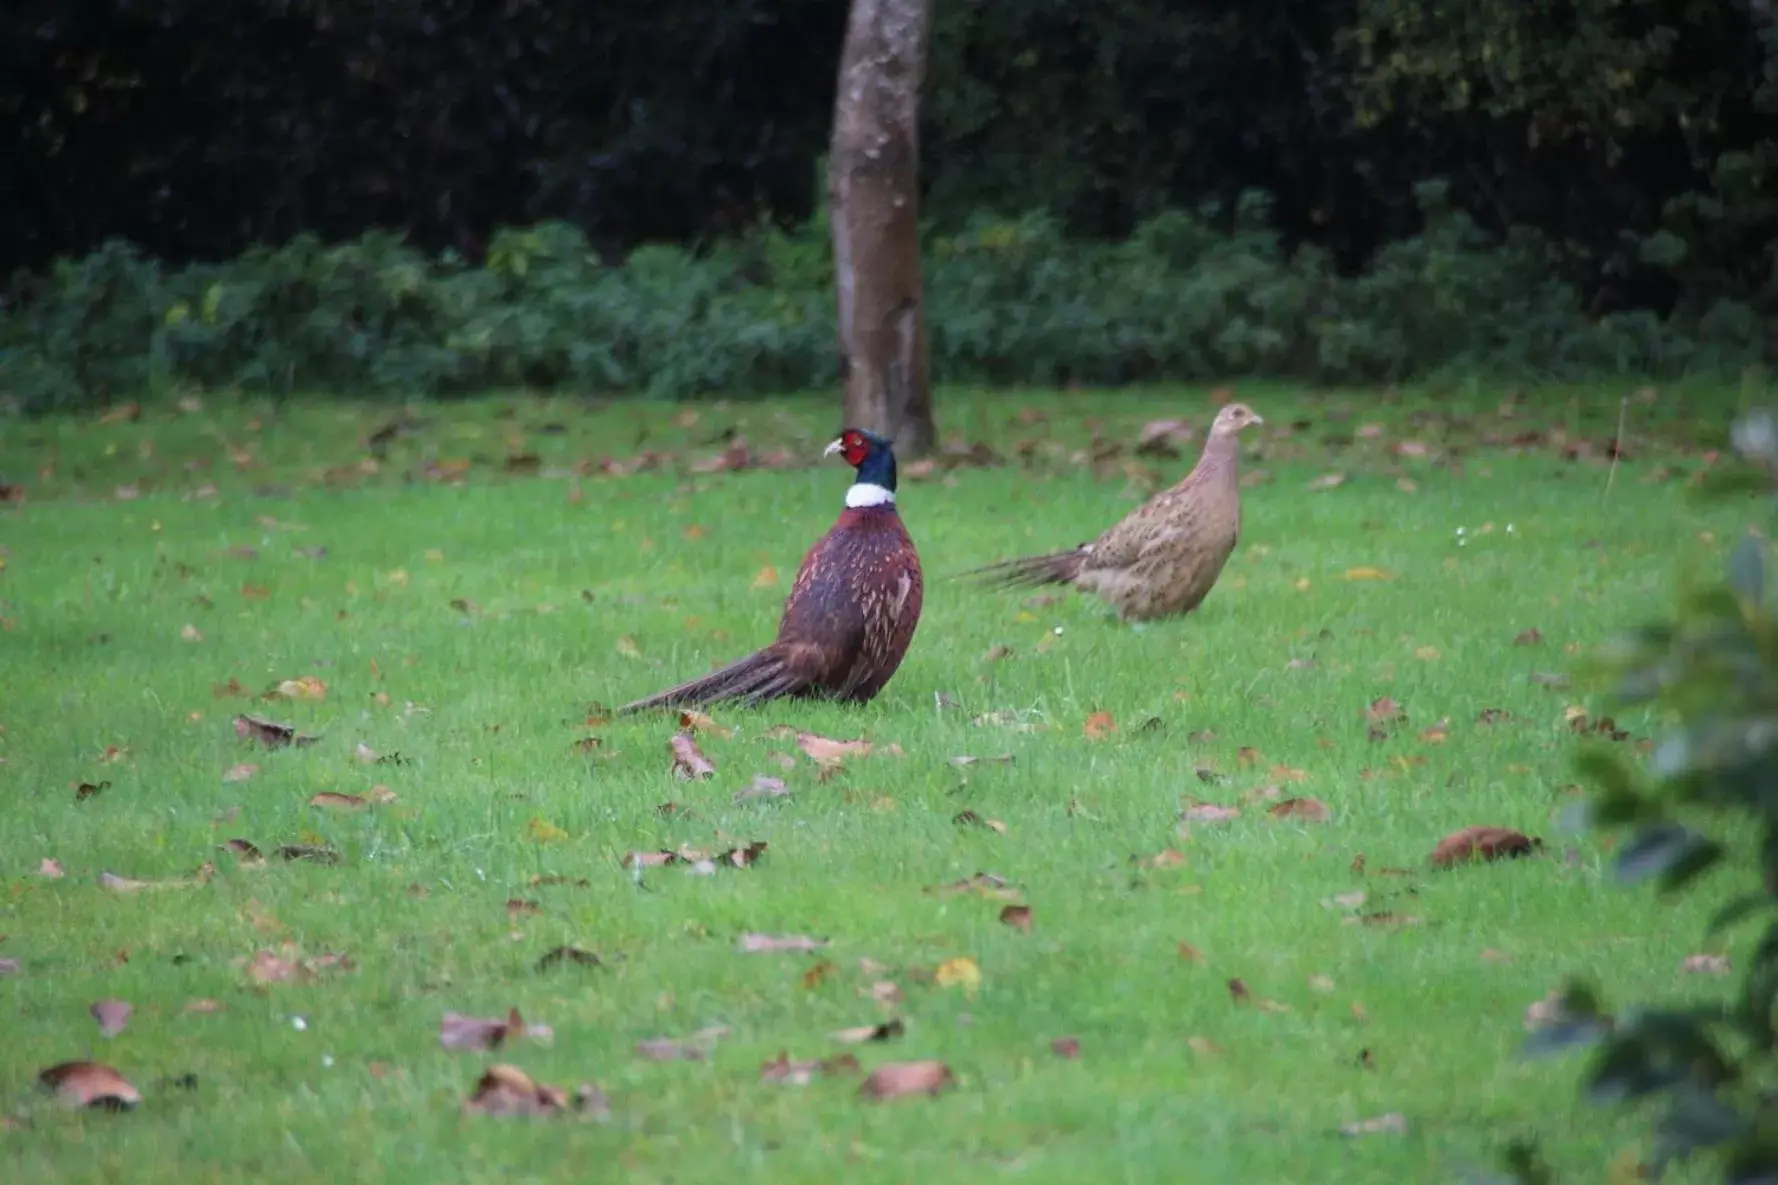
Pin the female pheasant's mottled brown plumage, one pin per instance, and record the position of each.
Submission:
(852, 609)
(1165, 556)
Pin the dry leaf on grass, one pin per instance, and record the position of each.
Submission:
(694, 1048)
(958, 972)
(985, 883)
(785, 1072)
(86, 790)
(504, 1090)
(763, 787)
(1393, 1122)
(753, 944)
(1067, 1048)
(971, 819)
(456, 1031)
(1203, 1047)
(1480, 844)
(899, 1079)
(565, 956)
(689, 761)
(1384, 710)
(1018, 917)
(1529, 637)
(864, 1033)
(1098, 726)
(691, 720)
(329, 800)
(1309, 810)
(202, 1006)
(123, 884)
(270, 733)
(240, 773)
(1003, 759)
(825, 751)
(90, 1084)
(1208, 812)
(1706, 965)
(112, 1016)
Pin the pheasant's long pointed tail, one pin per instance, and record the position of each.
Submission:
(1060, 567)
(762, 675)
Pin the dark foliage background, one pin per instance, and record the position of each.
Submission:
(1632, 141)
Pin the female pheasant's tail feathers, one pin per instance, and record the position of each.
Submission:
(1059, 567)
(762, 675)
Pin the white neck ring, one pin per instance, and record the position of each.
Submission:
(866, 493)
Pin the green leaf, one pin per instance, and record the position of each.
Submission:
(1654, 851)
(1737, 911)
(1747, 569)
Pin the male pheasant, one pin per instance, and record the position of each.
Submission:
(1164, 557)
(852, 608)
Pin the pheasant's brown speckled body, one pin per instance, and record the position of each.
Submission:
(852, 609)
(1165, 556)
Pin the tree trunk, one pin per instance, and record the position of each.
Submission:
(873, 197)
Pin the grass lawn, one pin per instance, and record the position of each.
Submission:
(473, 614)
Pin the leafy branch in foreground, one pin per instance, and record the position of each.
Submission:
(1708, 798)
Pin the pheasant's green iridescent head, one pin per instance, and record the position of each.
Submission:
(874, 459)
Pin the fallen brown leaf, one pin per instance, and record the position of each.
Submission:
(1192, 954)
(1482, 843)
(827, 751)
(86, 790)
(240, 773)
(1003, 759)
(112, 1016)
(1203, 1047)
(750, 944)
(985, 883)
(1066, 1047)
(504, 1090)
(456, 1031)
(1209, 812)
(270, 733)
(333, 801)
(1394, 1122)
(1309, 810)
(783, 1070)
(865, 1033)
(1384, 710)
(971, 819)
(90, 1084)
(202, 1006)
(1529, 637)
(1098, 726)
(1018, 917)
(689, 761)
(899, 1079)
(763, 787)
(563, 956)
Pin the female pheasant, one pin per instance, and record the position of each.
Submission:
(1164, 557)
(852, 608)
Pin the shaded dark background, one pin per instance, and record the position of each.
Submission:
(195, 129)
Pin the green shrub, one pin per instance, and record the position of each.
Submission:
(1705, 1070)
(1009, 301)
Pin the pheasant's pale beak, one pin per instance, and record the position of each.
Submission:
(833, 448)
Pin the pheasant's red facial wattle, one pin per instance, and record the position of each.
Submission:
(854, 448)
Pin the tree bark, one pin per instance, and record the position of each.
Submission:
(873, 194)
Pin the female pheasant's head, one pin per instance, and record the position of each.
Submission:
(1233, 418)
(874, 459)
